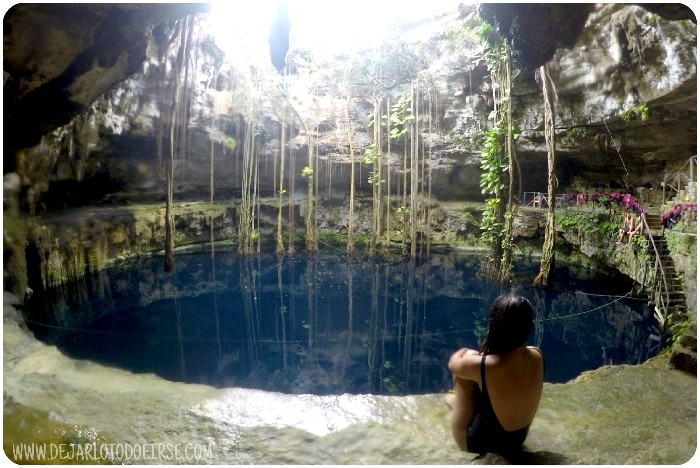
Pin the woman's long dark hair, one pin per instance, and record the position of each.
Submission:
(509, 325)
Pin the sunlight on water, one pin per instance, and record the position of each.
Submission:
(318, 415)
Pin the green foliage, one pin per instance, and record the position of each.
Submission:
(677, 326)
(460, 33)
(494, 164)
(391, 382)
(680, 243)
(332, 237)
(492, 228)
(604, 223)
(488, 36)
(681, 279)
(652, 19)
(372, 157)
(494, 161)
(400, 116)
(640, 112)
(363, 239)
(642, 249)
(307, 172)
(480, 328)
(575, 133)
(371, 154)
(229, 143)
(370, 120)
(494, 48)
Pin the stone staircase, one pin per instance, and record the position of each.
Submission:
(685, 195)
(682, 184)
(667, 297)
(667, 294)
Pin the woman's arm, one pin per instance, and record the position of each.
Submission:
(465, 363)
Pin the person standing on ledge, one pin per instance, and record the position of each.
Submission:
(497, 390)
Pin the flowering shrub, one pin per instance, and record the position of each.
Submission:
(623, 200)
(672, 216)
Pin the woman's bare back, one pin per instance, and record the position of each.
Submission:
(514, 382)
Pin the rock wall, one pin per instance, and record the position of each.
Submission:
(625, 59)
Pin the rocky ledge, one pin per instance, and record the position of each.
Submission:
(642, 414)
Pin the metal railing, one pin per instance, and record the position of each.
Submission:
(541, 200)
(655, 283)
(678, 180)
(659, 288)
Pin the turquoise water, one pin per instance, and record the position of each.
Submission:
(329, 323)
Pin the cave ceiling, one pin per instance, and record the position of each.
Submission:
(536, 30)
(55, 67)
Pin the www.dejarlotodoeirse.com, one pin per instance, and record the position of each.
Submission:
(121, 452)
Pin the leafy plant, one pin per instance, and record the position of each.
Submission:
(680, 244)
(371, 157)
(371, 154)
(491, 42)
(677, 326)
(332, 237)
(574, 133)
(640, 112)
(604, 223)
(494, 164)
(400, 116)
(652, 19)
(229, 143)
(681, 279)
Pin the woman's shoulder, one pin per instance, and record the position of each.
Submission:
(520, 354)
(536, 353)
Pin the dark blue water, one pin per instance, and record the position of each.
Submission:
(330, 324)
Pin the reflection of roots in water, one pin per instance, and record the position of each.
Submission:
(388, 335)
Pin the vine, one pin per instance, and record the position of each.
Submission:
(494, 165)
(498, 159)
(399, 120)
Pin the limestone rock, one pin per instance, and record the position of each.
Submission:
(684, 352)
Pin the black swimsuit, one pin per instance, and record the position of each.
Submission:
(485, 434)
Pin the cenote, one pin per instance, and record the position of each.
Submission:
(330, 323)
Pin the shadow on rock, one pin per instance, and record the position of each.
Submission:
(542, 457)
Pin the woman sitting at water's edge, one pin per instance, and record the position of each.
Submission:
(497, 390)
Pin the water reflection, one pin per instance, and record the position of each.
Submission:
(329, 323)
